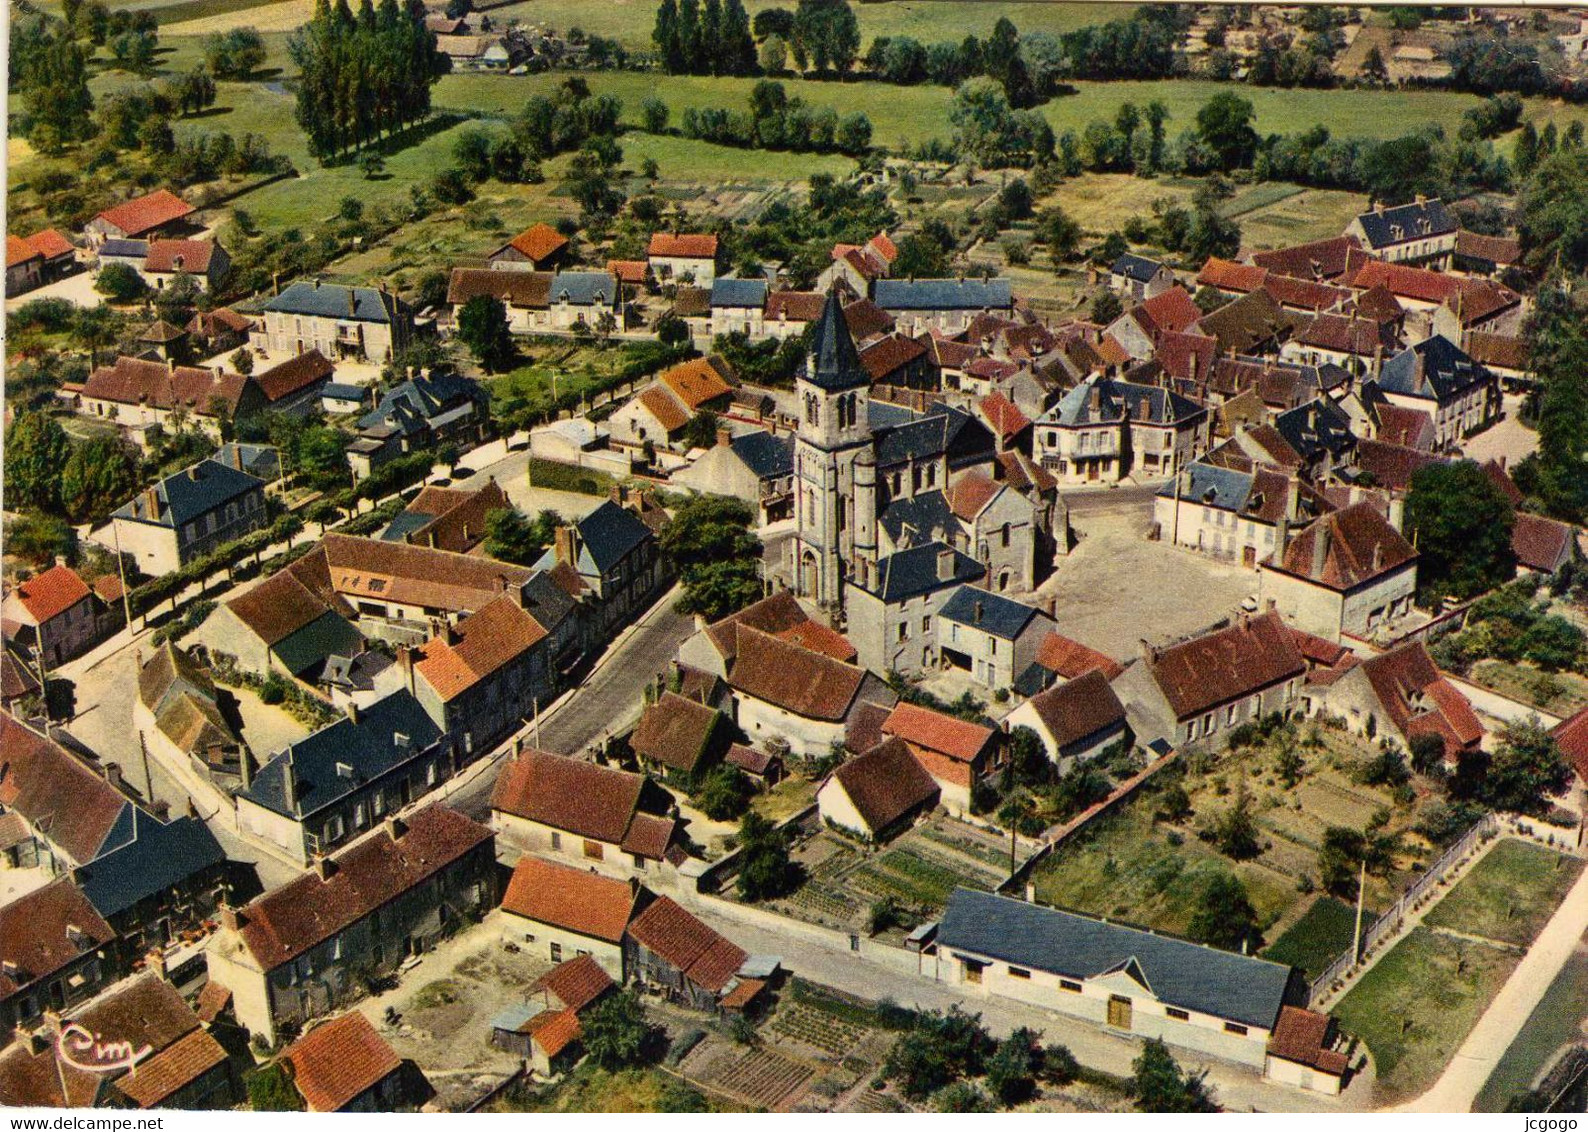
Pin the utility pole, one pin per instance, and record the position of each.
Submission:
(121, 572)
(1356, 936)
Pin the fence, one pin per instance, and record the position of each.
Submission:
(1390, 921)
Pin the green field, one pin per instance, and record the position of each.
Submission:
(1509, 895)
(1417, 1005)
(1318, 938)
(1555, 1021)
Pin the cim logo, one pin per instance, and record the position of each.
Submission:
(82, 1049)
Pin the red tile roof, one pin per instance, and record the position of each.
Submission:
(682, 246)
(1358, 546)
(1303, 294)
(34, 932)
(675, 732)
(1227, 664)
(1572, 736)
(696, 382)
(1080, 708)
(286, 922)
(1408, 282)
(1003, 416)
(1321, 259)
(132, 381)
(971, 495)
(886, 356)
(923, 727)
(796, 306)
(52, 593)
(631, 271)
(748, 759)
(524, 290)
(170, 256)
(887, 783)
(1226, 275)
(174, 1068)
(1500, 250)
(1503, 351)
(773, 614)
(19, 251)
(671, 415)
(141, 214)
(294, 374)
(554, 1032)
(1024, 474)
(1071, 659)
(1171, 310)
(569, 794)
(1305, 1037)
(71, 806)
(539, 242)
(340, 1060)
(796, 679)
(575, 984)
(687, 944)
(1410, 428)
(1362, 337)
(1542, 544)
(489, 639)
(51, 244)
(1419, 700)
(416, 575)
(817, 637)
(569, 898)
(1391, 465)
(1188, 357)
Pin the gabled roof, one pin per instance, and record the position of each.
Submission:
(1418, 698)
(1391, 465)
(971, 495)
(1226, 664)
(630, 271)
(1434, 369)
(730, 292)
(1572, 736)
(989, 612)
(1071, 659)
(1358, 545)
(1136, 267)
(682, 246)
(1321, 259)
(584, 288)
(1503, 251)
(1171, 310)
(575, 983)
(696, 382)
(569, 794)
(416, 575)
(922, 727)
(37, 932)
(791, 677)
(1187, 356)
(1191, 976)
(19, 251)
(134, 381)
(1227, 275)
(569, 898)
(538, 242)
(290, 599)
(489, 639)
(48, 595)
(1317, 428)
(294, 375)
(918, 570)
(766, 455)
(795, 306)
(141, 214)
(332, 300)
(1305, 1037)
(1542, 544)
(1246, 323)
(687, 944)
(170, 256)
(1002, 416)
(523, 290)
(1503, 350)
(1417, 221)
(610, 533)
(1362, 337)
(286, 922)
(885, 356)
(158, 858)
(340, 1060)
(66, 802)
(943, 294)
(886, 783)
(183, 496)
(675, 732)
(1080, 708)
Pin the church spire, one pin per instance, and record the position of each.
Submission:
(834, 362)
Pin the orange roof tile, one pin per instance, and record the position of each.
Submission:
(696, 382)
(539, 242)
(923, 727)
(51, 593)
(492, 637)
(339, 1061)
(682, 246)
(141, 214)
(569, 898)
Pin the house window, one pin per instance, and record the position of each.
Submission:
(1019, 973)
(926, 623)
(430, 775)
(529, 937)
(1005, 536)
(1178, 1014)
(1235, 1028)
(556, 953)
(593, 850)
(360, 816)
(1070, 985)
(904, 631)
(973, 970)
(556, 840)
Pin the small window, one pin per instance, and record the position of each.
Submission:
(1019, 973)
(529, 937)
(1178, 1014)
(593, 850)
(556, 840)
(1070, 985)
(556, 953)
(973, 970)
(1235, 1028)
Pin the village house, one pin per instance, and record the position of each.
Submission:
(329, 787)
(659, 413)
(545, 1028)
(858, 266)
(159, 262)
(219, 330)
(738, 306)
(181, 1065)
(685, 258)
(294, 953)
(55, 615)
(291, 622)
(1541, 545)
(669, 950)
(1229, 513)
(1437, 377)
(69, 814)
(713, 648)
(1192, 693)
(1189, 995)
(136, 393)
(344, 1065)
(540, 247)
(160, 213)
(55, 951)
(363, 323)
(784, 690)
(919, 306)
(956, 753)
(617, 559)
(1076, 721)
(878, 794)
(562, 913)
(1061, 659)
(447, 518)
(35, 260)
(1348, 573)
(1321, 260)
(1136, 332)
(1139, 278)
(679, 739)
(419, 415)
(1489, 256)
(596, 817)
(1505, 355)
(892, 616)
(188, 514)
(1359, 345)
(1423, 232)
(990, 637)
(754, 467)
(1103, 430)
(789, 313)
(178, 714)
(1002, 530)
(1403, 694)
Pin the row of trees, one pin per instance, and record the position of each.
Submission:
(704, 39)
(773, 121)
(363, 77)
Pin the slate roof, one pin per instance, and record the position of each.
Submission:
(1417, 221)
(913, 571)
(728, 292)
(611, 532)
(584, 288)
(66, 802)
(792, 677)
(141, 214)
(675, 732)
(331, 300)
(304, 777)
(767, 456)
(587, 903)
(942, 294)
(887, 783)
(1192, 976)
(158, 859)
(1226, 664)
(1359, 546)
(1135, 267)
(1318, 427)
(287, 921)
(1080, 708)
(338, 1061)
(835, 364)
(123, 249)
(1435, 369)
(989, 612)
(1115, 399)
(194, 491)
(34, 932)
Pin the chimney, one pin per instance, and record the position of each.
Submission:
(1192, 362)
(1397, 513)
(499, 583)
(945, 565)
(170, 365)
(1421, 199)
(634, 887)
(1292, 498)
(275, 282)
(112, 772)
(405, 664)
(324, 867)
(237, 456)
(977, 620)
(396, 827)
(1378, 557)
(156, 961)
(352, 303)
(724, 437)
(1096, 400)
(193, 473)
(1320, 548)
(563, 545)
(1148, 653)
(231, 918)
(1378, 207)
(1281, 538)
(449, 632)
(352, 712)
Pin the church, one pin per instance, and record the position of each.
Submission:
(896, 509)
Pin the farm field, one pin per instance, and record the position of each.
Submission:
(1557, 1020)
(1417, 1005)
(1510, 894)
(1318, 937)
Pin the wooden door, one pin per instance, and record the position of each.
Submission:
(1119, 1012)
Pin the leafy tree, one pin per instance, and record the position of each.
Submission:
(961, 1096)
(724, 794)
(120, 283)
(39, 539)
(1373, 68)
(717, 556)
(242, 360)
(371, 164)
(1224, 124)
(510, 536)
(1552, 212)
(681, 1096)
(271, 1090)
(1462, 525)
(1525, 768)
(1212, 234)
(765, 869)
(98, 477)
(36, 451)
(1235, 830)
(482, 327)
(774, 21)
(701, 429)
(617, 1033)
(234, 54)
(1343, 853)
(1160, 1085)
(922, 258)
(1060, 233)
(1225, 916)
(939, 1048)
(654, 112)
(1106, 307)
(1011, 1071)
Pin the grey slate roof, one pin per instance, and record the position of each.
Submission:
(738, 293)
(1136, 267)
(340, 392)
(1116, 397)
(1436, 368)
(885, 414)
(369, 747)
(910, 573)
(584, 288)
(261, 460)
(1378, 226)
(942, 294)
(766, 455)
(546, 601)
(927, 513)
(989, 612)
(609, 532)
(330, 300)
(124, 249)
(1239, 988)
(185, 496)
(835, 363)
(1213, 486)
(1319, 425)
(157, 858)
(407, 406)
(403, 524)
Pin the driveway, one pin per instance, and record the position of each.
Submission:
(1508, 440)
(76, 289)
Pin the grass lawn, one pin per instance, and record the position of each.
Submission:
(1557, 1020)
(588, 1089)
(1417, 1005)
(785, 799)
(1510, 894)
(1315, 940)
(560, 364)
(1559, 693)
